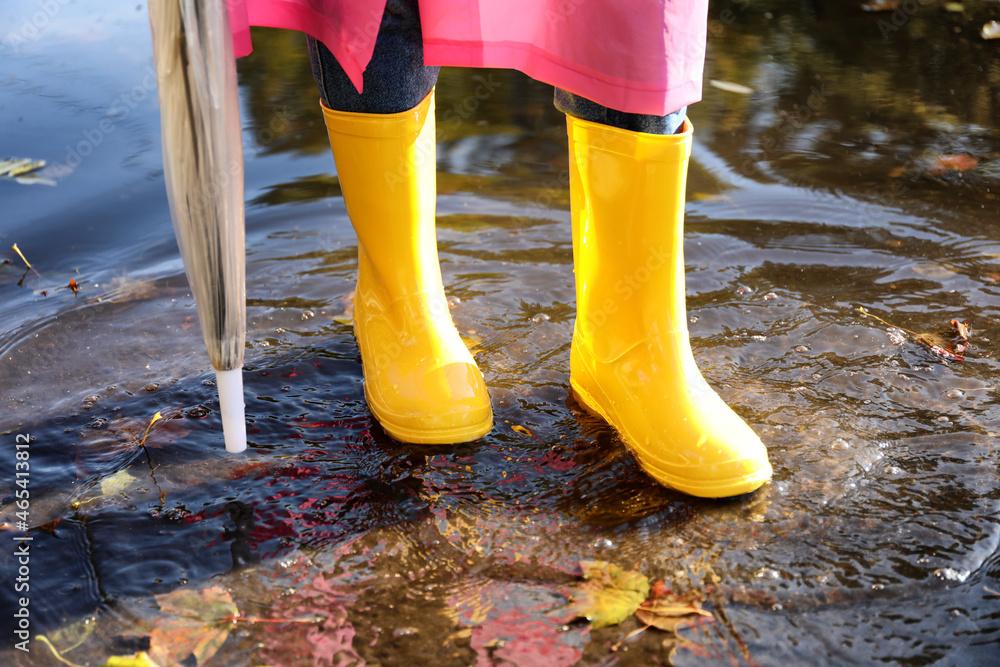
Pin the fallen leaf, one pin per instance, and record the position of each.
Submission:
(665, 609)
(948, 344)
(140, 659)
(173, 642)
(204, 618)
(69, 636)
(208, 604)
(956, 7)
(50, 527)
(944, 164)
(523, 431)
(608, 595)
(896, 172)
(117, 483)
(962, 329)
(73, 286)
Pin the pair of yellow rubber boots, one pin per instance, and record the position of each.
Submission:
(631, 360)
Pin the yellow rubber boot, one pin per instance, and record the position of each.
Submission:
(631, 359)
(421, 382)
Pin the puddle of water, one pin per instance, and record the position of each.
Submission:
(876, 541)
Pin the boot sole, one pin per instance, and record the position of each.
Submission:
(430, 436)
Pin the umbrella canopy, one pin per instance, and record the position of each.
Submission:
(203, 168)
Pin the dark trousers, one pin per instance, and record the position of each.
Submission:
(396, 79)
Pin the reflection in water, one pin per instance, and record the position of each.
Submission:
(815, 194)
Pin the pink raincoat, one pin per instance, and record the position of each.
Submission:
(639, 56)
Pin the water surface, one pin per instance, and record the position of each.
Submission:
(817, 192)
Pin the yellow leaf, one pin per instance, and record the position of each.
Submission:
(609, 594)
(71, 635)
(117, 483)
(520, 429)
(140, 659)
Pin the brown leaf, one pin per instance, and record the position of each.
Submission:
(203, 620)
(50, 527)
(948, 163)
(665, 609)
(949, 344)
(173, 641)
(209, 604)
(73, 286)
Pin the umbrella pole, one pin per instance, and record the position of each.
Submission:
(203, 169)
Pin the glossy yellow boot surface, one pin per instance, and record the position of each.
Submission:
(631, 359)
(421, 382)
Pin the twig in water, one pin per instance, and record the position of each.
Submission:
(25, 259)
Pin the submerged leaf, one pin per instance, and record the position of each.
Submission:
(204, 620)
(69, 636)
(117, 483)
(665, 609)
(208, 604)
(172, 642)
(948, 163)
(609, 594)
(140, 659)
(949, 344)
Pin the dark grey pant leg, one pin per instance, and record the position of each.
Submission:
(395, 80)
(586, 109)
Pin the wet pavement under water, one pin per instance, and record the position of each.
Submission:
(820, 191)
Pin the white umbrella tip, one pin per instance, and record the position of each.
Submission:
(234, 425)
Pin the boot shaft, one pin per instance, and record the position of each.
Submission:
(386, 164)
(627, 194)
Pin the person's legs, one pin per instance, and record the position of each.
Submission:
(421, 382)
(631, 360)
(584, 109)
(394, 81)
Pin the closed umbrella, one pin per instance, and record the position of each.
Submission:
(203, 168)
